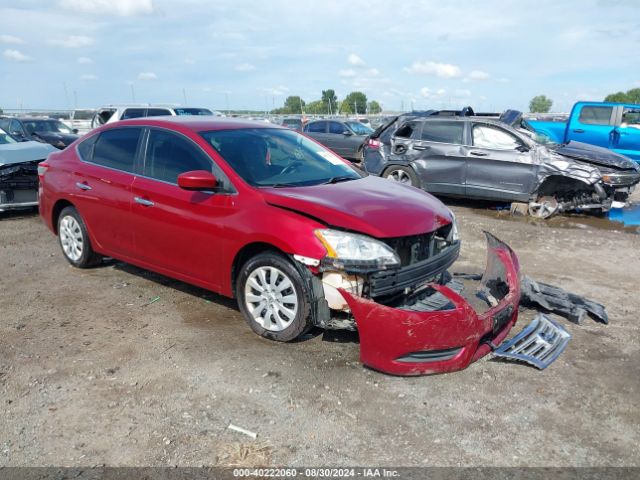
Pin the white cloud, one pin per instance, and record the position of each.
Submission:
(275, 91)
(426, 92)
(72, 41)
(15, 55)
(503, 80)
(123, 8)
(462, 93)
(478, 75)
(372, 72)
(244, 67)
(347, 73)
(442, 70)
(11, 39)
(355, 60)
(88, 77)
(147, 76)
(85, 60)
(189, 61)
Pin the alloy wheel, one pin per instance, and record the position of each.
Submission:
(71, 238)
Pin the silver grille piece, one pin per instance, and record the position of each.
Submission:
(538, 344)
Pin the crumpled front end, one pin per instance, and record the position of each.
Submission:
(19, 185)
(419, 336)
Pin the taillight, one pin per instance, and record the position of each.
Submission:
(374, 143)
(42, 168)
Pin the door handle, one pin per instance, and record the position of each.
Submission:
(143, 201)
(83, 186)
(478, 154)
(420, 147)
(578, 130)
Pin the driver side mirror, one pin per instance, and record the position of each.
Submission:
(347, 133)
(522, 148)
(75, 130)
(197, 180)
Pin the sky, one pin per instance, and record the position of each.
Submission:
(237, 54)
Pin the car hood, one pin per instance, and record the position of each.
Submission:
(596, 155)
(371, 205)
(24, 152)
(53, 137)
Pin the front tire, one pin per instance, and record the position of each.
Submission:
(74, 239)
(403, 175)
(273, 297)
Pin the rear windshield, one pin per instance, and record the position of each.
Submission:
(266, 157)
(193, 111)
(360, 128)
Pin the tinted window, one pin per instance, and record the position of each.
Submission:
(487, 136)
(631, 117)
(157, 112)
(595, 115)
(169, 155)
(335, 127)
(133, 113)
(359, 128)
(406, 130)
(4, 124)
(15, 127)
(193, 111)
(443, 132)
(317, 127)
(117, 148)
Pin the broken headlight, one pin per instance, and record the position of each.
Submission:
(453, 236)
(618, 178)
(350, 250)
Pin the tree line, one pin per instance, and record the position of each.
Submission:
(328, 104)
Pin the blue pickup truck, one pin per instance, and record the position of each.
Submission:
(610, 125)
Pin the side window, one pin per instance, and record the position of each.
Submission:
(406, 130)
(592, 115)
(443, 132)
(15, 127)
(487, 136)
(169, 155)
(631, 117)
(337, 128)
(117, 148)
(316, 127)
(133, 113)
(4, 124)
(157, 112)
(85, 148)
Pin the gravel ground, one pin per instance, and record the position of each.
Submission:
(93, 371)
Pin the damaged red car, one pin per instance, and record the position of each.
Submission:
(296, 234)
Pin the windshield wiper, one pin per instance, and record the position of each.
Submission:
(343, 178)
(281, 185)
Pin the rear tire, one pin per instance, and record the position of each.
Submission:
(273, 297)
(403, 175)
(74, 239)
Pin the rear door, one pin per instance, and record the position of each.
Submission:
(499, 165)
(101, 187)
(342, 140)
(593, 124)
(627, 132)
(179, 232)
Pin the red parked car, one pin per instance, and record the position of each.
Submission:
(299, 236)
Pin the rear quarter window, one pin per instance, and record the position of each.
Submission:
(407, 130)
(443, 132)
(85, 148)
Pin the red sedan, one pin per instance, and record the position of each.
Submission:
(296, 234)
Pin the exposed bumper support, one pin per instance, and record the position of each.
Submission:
(408, 342)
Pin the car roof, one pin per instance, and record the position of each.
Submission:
(195, 123)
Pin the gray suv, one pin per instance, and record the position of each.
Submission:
(346, 138)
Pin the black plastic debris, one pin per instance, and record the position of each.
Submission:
(575, 308)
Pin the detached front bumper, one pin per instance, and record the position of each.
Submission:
(405, 341)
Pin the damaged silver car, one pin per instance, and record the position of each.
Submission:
(480, 158)
(19, 171)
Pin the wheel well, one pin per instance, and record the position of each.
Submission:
(559, 186)
(245, 253)
(55, 212)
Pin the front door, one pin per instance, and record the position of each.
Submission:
(179, 232)
(499, 166)
(627, 135)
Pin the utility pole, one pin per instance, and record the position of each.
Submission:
(226, 96)
(184, 96)
(133, 94)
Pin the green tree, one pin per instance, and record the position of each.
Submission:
(630, 96)
(329, 100)
(345, 108)
(540, 104)
(293, 104)
(374, 107)
(316, 107)
(357, 102)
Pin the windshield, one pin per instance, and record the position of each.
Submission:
(6, 138)
(266, 157)
(360, 128)
(46, 126)
(193, 111)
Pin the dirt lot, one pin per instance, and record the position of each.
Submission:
(93, 371)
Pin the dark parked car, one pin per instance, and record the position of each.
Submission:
(475, 157)
(346, 138)
(45, 130)
(296, 124)
(296, 234)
